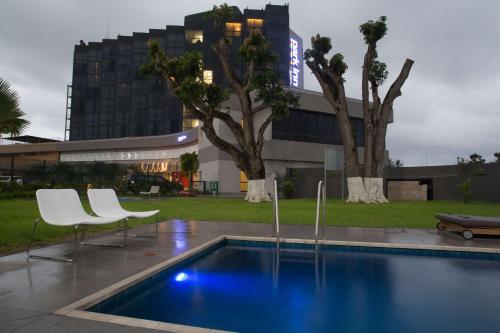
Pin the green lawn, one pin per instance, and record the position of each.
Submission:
(16, 216)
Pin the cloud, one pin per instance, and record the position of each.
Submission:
(450, 103)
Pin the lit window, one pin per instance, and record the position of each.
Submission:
(194, 36)
(208, 76)
(243, 182)
(188, 121)
(255, 24)
(233, 29)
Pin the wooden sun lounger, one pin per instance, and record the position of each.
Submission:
(469, 225)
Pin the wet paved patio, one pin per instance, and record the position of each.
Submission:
(31, 291)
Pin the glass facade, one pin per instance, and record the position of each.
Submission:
(111, 99)
(314, 127)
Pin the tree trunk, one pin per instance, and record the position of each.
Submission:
(257, 191)
(337, 99)
(256, 175)
(355, 186)
(356, 190)
(381, 130)
(190, 175)
(375, 190)
(368, 118)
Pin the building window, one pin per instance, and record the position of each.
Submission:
(233, 29)
(243, 182)
(94, 74)
(255, 24)
(194, 36)
(314, 127)
(188, 122)
(208, 76)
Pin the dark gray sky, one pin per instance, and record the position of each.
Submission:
(450, 105)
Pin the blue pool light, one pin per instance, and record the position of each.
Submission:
(181, 277)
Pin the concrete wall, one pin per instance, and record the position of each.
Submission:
(441, 182)
(483, 188)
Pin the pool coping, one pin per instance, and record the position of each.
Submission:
(77, 309)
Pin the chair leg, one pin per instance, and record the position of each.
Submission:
(83, 234)
(107, 244)
(33, 256)
(35, 223)
(154, 235)
(156, 226)
(125, 232)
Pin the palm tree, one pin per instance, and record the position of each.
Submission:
(11, 122)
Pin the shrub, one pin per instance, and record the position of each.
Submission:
(465, 188)
(288, 189)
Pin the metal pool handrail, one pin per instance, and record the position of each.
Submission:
(320, 200)
(276, 218)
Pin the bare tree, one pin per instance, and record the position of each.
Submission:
(366, 187)
(257, 89)
(329, 74)
(377, 115)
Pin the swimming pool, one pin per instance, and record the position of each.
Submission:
(249, 286)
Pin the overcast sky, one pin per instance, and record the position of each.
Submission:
(450, 104)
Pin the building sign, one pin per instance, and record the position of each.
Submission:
(294, 63)
(181, 138)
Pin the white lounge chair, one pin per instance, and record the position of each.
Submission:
(155, 189)
(104, 202)
(62, 207)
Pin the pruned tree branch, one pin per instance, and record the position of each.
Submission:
(262, 129)
(222, 51)
(208, 129)
(395, 90)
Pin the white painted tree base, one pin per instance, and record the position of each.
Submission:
(257, 191)
(356, 190)
(375, 190)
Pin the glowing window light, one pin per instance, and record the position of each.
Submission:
(208, 76)
(194, 36)
(181, 277)
(233, 29)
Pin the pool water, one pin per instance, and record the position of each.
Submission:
(247, 288)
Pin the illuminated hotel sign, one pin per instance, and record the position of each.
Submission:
(294, 63)
(181, 138)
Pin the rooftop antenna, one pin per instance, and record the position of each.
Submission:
(107, 28)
